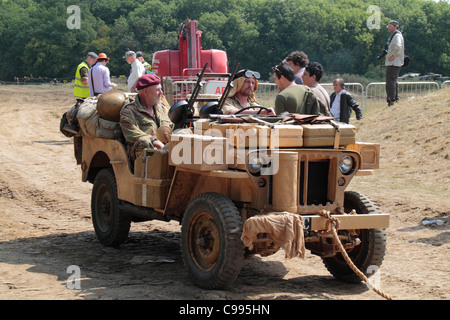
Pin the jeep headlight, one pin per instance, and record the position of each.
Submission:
(346, 165)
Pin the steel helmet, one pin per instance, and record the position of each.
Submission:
(110, 103)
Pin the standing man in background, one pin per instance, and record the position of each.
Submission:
(147, 66)
(81, 88)
(342, 103)
(394, 61)
(99, 77)
(137, 70)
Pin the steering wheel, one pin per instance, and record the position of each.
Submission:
(261, 108)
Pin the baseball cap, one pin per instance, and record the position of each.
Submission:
(129, 54)
(92, 55)
(394, 23)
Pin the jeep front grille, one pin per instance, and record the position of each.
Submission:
(313, 183)
(320, 184)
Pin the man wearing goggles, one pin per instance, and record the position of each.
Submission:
(242, 95)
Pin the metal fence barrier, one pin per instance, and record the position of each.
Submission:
(375, 94)
(445, 83)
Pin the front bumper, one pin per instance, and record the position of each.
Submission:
(348, 221)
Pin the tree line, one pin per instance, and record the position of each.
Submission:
(40, 37)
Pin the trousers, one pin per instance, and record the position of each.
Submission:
(392, 83)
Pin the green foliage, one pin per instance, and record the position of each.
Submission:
(35, 39)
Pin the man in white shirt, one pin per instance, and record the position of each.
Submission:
(99, 77)
(336, 104)
(137, 70)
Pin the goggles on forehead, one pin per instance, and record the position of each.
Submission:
(248, 74)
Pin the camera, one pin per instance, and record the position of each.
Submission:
(382, 54)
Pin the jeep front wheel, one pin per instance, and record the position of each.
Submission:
(110, 224)
(369, 253)
(211, 241)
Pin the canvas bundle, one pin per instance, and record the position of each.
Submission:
(93, 125)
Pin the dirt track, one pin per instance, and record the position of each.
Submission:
(45, 227)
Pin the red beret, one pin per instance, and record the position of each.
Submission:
(147, 80)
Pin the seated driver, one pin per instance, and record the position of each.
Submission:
(242, 95)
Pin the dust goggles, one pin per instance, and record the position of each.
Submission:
(248, 74)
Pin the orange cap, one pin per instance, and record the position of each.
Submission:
(102, 56)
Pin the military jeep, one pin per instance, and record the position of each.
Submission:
(239, 185)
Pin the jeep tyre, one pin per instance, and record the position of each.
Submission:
(211, 244)
(369, 253)
(110, 224)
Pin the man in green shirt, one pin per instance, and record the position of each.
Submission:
(293, 98)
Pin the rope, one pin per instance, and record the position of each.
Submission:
(331, 226)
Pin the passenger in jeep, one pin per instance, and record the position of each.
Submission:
(293, 98)
(140, 119)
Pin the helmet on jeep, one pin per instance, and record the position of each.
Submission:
(110, 103)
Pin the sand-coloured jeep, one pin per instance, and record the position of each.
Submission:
(239, 185)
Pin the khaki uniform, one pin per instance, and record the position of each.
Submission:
(233, 103)
(139, 126)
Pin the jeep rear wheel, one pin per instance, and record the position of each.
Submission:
(369, 253)
(110, 224)
(211, 241)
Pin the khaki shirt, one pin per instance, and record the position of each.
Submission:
(136, 122)
(231, 104)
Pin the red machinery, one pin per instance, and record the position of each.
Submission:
(189, 59)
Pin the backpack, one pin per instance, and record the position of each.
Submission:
(313, 104)
(406, 61)
(62, 124)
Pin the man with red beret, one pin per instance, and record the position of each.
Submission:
(141, 118)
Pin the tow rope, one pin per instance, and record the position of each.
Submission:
(331, 226)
